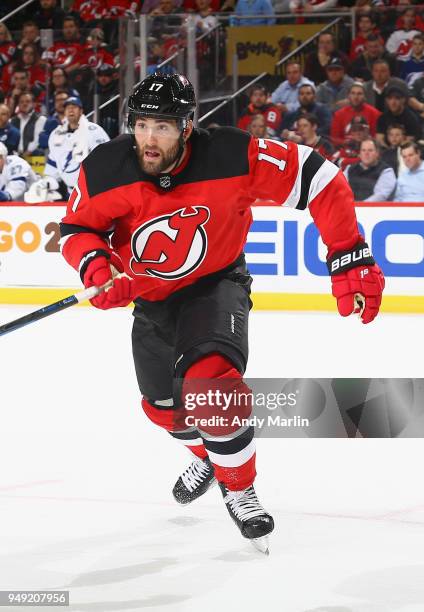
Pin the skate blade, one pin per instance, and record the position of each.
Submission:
(261, 544)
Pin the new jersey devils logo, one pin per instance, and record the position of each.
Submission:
(171, 246)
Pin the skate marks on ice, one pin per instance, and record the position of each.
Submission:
(147, 566)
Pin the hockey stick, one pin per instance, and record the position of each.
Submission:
(46, 311)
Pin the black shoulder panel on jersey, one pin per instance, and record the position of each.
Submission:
(310, 168)
(220, 154)
(217, 155)
(111, 164)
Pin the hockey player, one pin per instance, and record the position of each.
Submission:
(71, 142)
(16, 176)
(163, 214)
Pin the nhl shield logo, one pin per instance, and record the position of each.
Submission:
(165, 181)
(171, 246)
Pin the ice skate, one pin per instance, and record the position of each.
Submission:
(250, 517)
(194, 481)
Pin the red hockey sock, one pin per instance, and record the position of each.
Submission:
(234, 457)
(166, 418)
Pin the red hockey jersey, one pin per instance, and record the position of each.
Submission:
(89, 10)
(169, 230)
(7, 51)
(271, 113)
(64, 53)
(119, 8)
(96, 57)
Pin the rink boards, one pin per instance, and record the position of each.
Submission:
(284, 253)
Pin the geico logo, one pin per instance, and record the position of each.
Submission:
(28, 237)
(410, 262)
(350, 257)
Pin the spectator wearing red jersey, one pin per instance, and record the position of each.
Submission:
(400, 42)
(88, 11)
(121, 8)
(258, 105)
(189, 6)
(307, 126)
(348, 153)
(418, 22)
(49, 15)
(366, 26)
(7, 47)
(32, 64)
(20, 84)
(258, 127)
(340, 125)
(29, 61)
(114, 10)
(96, 53)
(66, 53)
(316, 62)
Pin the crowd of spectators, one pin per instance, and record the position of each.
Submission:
(361, 107)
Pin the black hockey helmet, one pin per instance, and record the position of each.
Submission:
(164, 96)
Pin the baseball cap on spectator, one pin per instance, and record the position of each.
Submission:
(335, 63)
(73, 100)
(96, 33)
(395, 91)
(105, 70)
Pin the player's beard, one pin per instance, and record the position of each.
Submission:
(158, 164)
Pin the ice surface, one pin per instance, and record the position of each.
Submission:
(86, 480)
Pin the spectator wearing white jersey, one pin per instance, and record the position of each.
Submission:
(71, 142)
(16, 176)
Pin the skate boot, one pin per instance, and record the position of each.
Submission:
(194, 481)
(249, 516)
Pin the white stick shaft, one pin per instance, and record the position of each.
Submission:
(91, 292)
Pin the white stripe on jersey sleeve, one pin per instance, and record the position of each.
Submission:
(321, 179)
(63, 240)
(303, 153)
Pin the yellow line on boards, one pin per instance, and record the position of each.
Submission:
(325, 302)
(261, 301)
